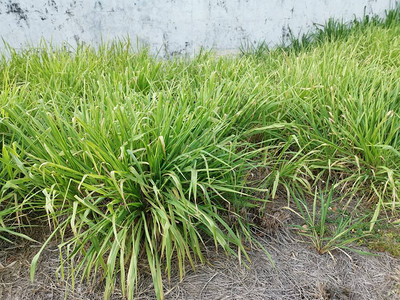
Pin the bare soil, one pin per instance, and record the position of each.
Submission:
(299, 273)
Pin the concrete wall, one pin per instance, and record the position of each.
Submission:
(174, 26)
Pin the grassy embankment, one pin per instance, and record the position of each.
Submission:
(128, 157)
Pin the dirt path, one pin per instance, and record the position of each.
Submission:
(301, 273)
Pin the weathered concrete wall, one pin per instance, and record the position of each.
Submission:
(174, 26)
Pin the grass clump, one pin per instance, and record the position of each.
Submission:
(327, 228)
(132, 164)
(129, 158)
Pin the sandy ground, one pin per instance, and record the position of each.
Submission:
(300, 273)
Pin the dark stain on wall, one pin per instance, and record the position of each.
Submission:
(98, 5)
(53, 4)
(286, 34)
(222, 4)
(15, 8)
(69, 13)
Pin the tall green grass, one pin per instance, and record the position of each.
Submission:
(129, 158)
(132, 158)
